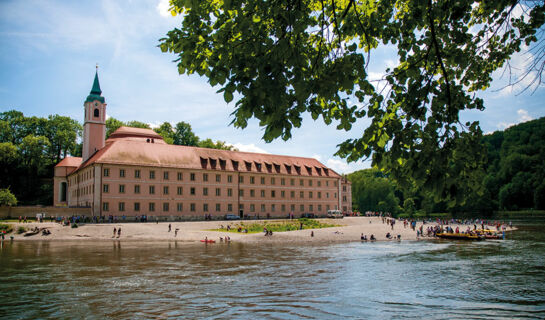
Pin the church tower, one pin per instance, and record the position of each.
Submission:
(94, 123)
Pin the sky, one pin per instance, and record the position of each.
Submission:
(49, 50)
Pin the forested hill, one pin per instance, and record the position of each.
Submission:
(514, 178)
(515, 175)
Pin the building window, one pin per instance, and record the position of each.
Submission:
(218, 192)
(252, 193)
(262, 193)
(165, 175)
(283, 181)
(327, 195)
(344, 198)
(319, 208)
(192, 207)
(335, 183)
(137, 206)
(96, 113)
(302, 182)
(262, 180)
(121, 188)
(105, 206)
(122, 206)
(344, 188)
(310, 183)
(283, 208)
(262, 208)
(205, 207)
(301, 194)
(283, 194)
(327, 207)
(252, 207)
(292, 207)
(310, 208)
(165, 190)
(241, 206)
(205, 191)
(273, 181)
(327, 184)
(229, 192)
(241, 179)
(106, 172)
(165, 206)
(179, 207)
(319, 183)
(137, 173)
(319, 195)
(151, 206)
(241, 192)
(273, 193)
(292, 182)
(205, 177)
(310, 194)
(230, 178)
(151, 189)
(218, 177)
(335, 195)
(302, 207)
(192, 191)
(152, 174)
(230, 207)
(292, 194)
(122, 173)
(105, 188)
(179, 191)
(252, 180)
(273, 207)
(180, 176)
(218, 207)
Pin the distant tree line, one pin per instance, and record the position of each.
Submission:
(30, 147)
(513, 178)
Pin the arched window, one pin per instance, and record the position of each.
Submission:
(96, 113)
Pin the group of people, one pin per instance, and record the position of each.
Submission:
(267, 232)
(364, 237)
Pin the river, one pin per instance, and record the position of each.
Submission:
(382, 280)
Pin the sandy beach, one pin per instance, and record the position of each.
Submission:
(348, 229)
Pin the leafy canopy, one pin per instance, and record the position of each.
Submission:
(287, 58)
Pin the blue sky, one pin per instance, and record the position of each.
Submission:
(48, 52)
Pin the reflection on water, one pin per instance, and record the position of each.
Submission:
(491, 279)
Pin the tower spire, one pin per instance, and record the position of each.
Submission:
(96, 93)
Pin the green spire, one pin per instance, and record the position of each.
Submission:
(96, 86)
(96, 93)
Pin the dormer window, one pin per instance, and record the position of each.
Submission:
(96, 113)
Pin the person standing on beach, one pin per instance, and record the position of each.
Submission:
(169, 227)
(115, 231)
(119, 232)
(176, 232)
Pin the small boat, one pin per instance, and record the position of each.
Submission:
(458, 236)
(208, 241)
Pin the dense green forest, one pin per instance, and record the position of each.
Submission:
(30, 147)
(514, 179)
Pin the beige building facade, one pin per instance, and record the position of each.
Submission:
(135, 173)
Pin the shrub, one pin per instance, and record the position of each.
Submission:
(6, 227)
(21, 230)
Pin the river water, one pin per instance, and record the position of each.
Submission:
(382, 280)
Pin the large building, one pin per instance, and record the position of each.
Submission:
(135, 173)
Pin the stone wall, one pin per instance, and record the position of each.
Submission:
(31, 211)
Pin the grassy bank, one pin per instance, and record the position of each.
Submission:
(278, 226)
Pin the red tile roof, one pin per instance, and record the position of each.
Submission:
(70, 162)
(131, 152)
(136, 134)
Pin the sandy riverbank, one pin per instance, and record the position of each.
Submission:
(349, 229)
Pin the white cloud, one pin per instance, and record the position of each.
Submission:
(162, 8)
(247, 147)
(317, 157)
(523, 116)
(342, 167)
